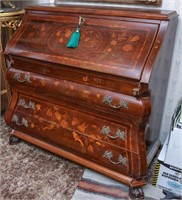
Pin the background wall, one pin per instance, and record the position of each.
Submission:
(174, 92)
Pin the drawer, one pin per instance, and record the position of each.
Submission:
(82, 95)
(95, 127)
(101, 80)
(90, 148)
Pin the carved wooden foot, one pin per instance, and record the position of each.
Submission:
(136, 193)
(13, 140)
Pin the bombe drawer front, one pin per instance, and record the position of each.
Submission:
(63, 136)
(84, 123)
(82, 95)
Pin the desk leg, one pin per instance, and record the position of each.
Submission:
(13, 139)
(136, 193)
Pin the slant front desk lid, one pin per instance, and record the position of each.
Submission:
(119, 42)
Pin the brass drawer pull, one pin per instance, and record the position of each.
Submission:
(24, 122)
(26, 78)
(122, 104)
(119, 134)
(121, 160)
(31, 104)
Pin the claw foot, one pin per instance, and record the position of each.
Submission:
(13, 140)
(136, 193)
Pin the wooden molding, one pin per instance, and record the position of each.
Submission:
(150, 2)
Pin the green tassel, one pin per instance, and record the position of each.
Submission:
(74, 40)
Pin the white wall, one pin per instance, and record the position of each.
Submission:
(175, 82)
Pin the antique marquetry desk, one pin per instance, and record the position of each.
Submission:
(89, 104)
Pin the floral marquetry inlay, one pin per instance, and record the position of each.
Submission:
(98, 41)
(123, 45)
(90, 38)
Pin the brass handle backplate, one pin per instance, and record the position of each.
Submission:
(24, 122)
(18, 78)
(30, 105)
(119, 134)
(122, 103)
(121, 160)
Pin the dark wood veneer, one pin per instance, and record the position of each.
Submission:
(90, 104)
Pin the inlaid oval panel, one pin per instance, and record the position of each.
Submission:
(92, 41)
